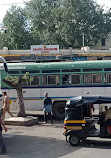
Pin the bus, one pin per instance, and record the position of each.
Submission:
(62, 81)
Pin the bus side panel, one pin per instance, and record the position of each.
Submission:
(62, 93)
(107, 91)
(93, 90)
(32, 98)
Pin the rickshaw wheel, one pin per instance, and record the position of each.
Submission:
(74, 140)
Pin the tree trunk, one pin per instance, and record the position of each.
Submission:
(21, 107)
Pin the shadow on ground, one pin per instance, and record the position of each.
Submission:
(99, 143)
(21, 146)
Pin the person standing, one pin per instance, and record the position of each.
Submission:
(47, 108)
(2, 144)
(6, 105)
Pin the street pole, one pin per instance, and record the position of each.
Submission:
(83, 41)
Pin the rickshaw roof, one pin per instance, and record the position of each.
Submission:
(81, 100)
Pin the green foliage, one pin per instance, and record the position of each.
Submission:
(27, 78)
(12, 79)
(16, 80)
(18, 35)
(55, 22)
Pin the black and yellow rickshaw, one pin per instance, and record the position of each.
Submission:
(80, 123)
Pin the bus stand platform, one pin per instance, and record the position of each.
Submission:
(34, 117)
(31, 112)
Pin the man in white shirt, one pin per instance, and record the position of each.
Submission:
(6, 105)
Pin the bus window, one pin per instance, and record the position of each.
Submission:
(25, 83)
(87, 78)
(51, 79)
(30, 82)
(107, 78)
(35, 80)
(92, 78)
(97, 78)
(75, 79)
(66, 79)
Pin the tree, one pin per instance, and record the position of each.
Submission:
(59, 22)
(82, 16)
(63, 22)
(41, 14)
(16, 82)
(17, 29)
(4, 40)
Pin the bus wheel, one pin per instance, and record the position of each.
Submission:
(58, 110)
(74, 140)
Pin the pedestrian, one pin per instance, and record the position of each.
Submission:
(91, 109)
(2, 144)
(6, 105)
(47, 108)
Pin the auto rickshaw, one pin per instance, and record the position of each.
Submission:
(80, 123)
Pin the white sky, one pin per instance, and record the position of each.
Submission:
(6, 4)
(106, 3)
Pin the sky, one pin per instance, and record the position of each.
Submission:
(6, 4)
(106, 3)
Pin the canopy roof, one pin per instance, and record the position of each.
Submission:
(81, 100)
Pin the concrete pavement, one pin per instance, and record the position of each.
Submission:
(47, 141)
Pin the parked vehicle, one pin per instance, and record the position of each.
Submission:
(62, 81)
(80, 122)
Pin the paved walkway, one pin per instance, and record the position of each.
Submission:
(47, 141)
(31, 112)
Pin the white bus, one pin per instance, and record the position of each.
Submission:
(62, 81)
